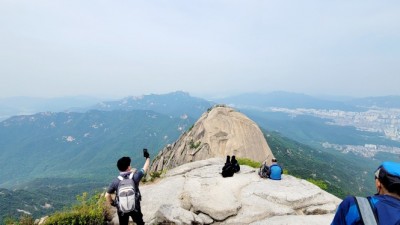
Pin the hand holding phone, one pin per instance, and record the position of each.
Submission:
(146, 153)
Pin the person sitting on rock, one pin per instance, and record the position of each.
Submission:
(275, 170)
(383, 208)
(235, 164)
(228, 170)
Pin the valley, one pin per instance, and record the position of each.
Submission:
(384, 121)
(50, 149)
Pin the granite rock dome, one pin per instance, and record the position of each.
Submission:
(219, 132)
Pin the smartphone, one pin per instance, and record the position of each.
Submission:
(145, 153)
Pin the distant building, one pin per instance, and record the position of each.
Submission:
(369, 146)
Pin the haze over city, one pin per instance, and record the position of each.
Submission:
(207, 48)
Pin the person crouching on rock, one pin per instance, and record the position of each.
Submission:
(227, 170)
(235, 164)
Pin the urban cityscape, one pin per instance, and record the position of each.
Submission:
(383, 121)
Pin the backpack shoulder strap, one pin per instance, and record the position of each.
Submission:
(130, 176)
(365, 209)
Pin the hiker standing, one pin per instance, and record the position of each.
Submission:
(383, 208)
(128, 190)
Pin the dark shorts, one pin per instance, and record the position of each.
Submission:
(137, 217)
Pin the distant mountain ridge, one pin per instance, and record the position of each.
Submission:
(283, 100)
(391, 101)
(30, 105)
(167, 104)
(297, 100)
(176, 104)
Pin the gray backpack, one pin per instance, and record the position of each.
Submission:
(127, 194)
(264, 171)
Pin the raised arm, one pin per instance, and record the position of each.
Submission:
(146, 165)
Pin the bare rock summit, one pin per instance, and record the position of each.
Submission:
(219, 132)
(195, 193)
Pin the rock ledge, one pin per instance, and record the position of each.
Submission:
(196, 193)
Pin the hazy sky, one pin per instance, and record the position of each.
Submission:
(119, 48)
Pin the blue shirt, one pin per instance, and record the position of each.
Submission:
(386, 208)
(275, 172)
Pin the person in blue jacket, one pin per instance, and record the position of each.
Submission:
(275, 170)
(385, 204)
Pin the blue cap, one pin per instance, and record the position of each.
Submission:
(391, 168)
(388, 173)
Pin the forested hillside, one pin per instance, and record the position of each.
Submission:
(44, 196)
(343, 174)
(80, 145)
